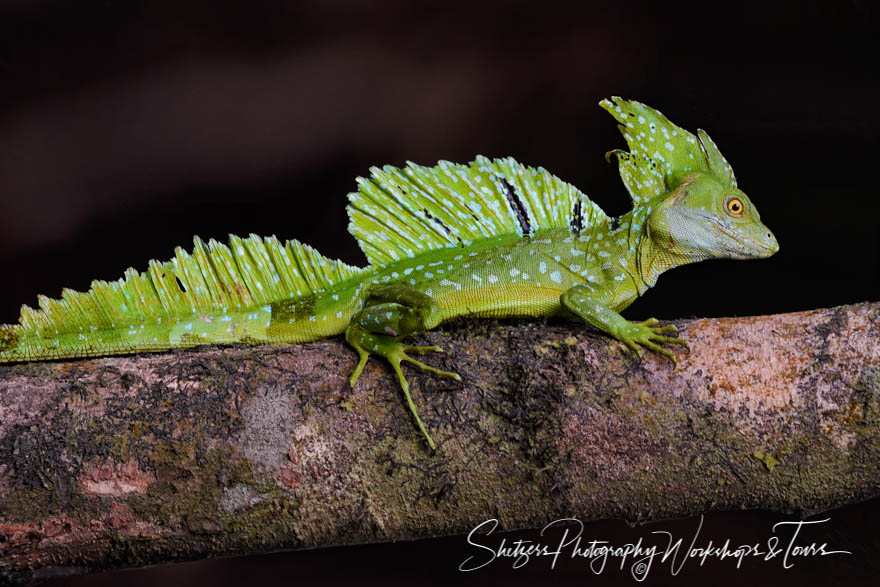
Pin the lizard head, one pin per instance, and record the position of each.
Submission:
(702, 214)
(706, 218)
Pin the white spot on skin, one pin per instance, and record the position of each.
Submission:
(542, 267)
(556, 277)
(514, 272)
(477, 278)
(493, 279)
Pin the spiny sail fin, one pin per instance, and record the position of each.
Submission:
(661, 153)
(250, 272)
(399, 212)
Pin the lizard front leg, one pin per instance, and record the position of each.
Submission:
(586, 302)
(392, 312)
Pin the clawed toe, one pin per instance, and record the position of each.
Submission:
(668, 329)
(422, 350)
(429, 368)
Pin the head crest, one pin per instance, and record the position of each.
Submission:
(661, 153)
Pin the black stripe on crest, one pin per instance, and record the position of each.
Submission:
(437, 221)
(517, 204)
(577, 217)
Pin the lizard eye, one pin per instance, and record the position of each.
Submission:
(735, 206)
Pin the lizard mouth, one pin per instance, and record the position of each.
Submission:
(750, 246)
(741, 245)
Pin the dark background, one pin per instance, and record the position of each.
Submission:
(128, 127)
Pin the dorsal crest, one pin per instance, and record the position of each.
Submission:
(661, 153)
(398, 213)
(247, 273)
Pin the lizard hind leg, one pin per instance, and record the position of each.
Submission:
(366, 343)
(377, 329)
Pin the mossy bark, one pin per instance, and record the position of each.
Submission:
(119, 462)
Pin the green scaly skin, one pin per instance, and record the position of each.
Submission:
(493, 239)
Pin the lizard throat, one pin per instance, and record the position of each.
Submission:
(654, 259)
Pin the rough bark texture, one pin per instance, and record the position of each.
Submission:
(129, 461)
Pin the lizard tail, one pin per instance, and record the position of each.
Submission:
(216, 294)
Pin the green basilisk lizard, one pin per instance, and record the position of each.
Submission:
(493, 238)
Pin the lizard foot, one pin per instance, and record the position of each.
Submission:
(394, 351)
(648, 334)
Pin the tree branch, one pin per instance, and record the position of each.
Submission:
(128, 461)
